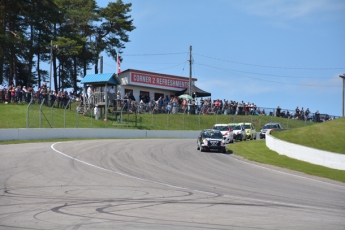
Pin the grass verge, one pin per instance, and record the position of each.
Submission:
(328, 136)
(257, 151)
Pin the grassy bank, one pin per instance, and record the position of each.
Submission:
(328, 136)
(258, 152)
(16, 117)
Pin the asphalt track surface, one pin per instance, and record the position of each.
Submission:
(157, 184)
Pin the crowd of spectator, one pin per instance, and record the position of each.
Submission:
(145, 104)
(176, 104)
(18, 94)
(207, 106)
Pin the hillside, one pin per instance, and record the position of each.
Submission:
(19, 116)
(325, 136)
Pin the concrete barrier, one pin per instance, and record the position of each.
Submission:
(33, 133)
(303, 153)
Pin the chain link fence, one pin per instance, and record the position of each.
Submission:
(72, 114)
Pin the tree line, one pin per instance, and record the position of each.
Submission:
(67, 34)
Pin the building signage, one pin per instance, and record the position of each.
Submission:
(159, 81)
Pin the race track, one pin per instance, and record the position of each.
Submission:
(157, 184)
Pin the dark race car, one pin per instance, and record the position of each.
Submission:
(211, 140)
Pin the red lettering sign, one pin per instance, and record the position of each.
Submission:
(159, 81)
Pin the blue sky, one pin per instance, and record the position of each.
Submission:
(268, 52)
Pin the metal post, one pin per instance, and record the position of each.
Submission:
(190, 71)
(106, 102)
(41, 112)
(51, 63)
(343, 77)
(27, 115)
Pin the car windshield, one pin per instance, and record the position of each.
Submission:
(236, 127)
(221, 127)
(247, 127)
(210, 134)
(271, 126)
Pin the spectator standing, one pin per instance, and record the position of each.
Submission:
(118, 95)
(237, 105)
(174, 105)
(302, 113)
(89, 92)
(317, 116)
(52, 97)
(297, 111)
(278, 111)
(29, 94)
(160, 103)
(240, 108)
(112, 94)
(141, 106)
(38, 95)
(166, 99)
(19, 94)
(118, 98)
(125, 102)
(184, 104)
(25, 93)
(307, 112)
(226, 107)
(44, 93)
(168, 108)
(131, 97)
(96, 112)
(246, 108)
(2, 96)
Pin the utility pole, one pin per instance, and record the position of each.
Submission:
(51, 61)
(190, 70)
(101, 63)
(343, 77)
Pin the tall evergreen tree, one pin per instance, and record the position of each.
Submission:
(111, 34)
(78, 29)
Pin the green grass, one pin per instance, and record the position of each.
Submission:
(258, 152)
(59, 118)
(327, 136)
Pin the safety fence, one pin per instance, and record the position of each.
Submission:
(71, 114)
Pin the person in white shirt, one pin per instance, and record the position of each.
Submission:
(111, 94)
(25, 92)
(89, 92)
(96, 112)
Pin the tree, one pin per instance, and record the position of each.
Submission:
(79, 28)
(112, 32)
(12, 39)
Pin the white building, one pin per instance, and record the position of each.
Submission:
(154, 85)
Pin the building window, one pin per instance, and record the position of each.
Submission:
(157, 95)
(128, 91)
(145, 96)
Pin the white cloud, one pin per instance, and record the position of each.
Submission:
(289, 9)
